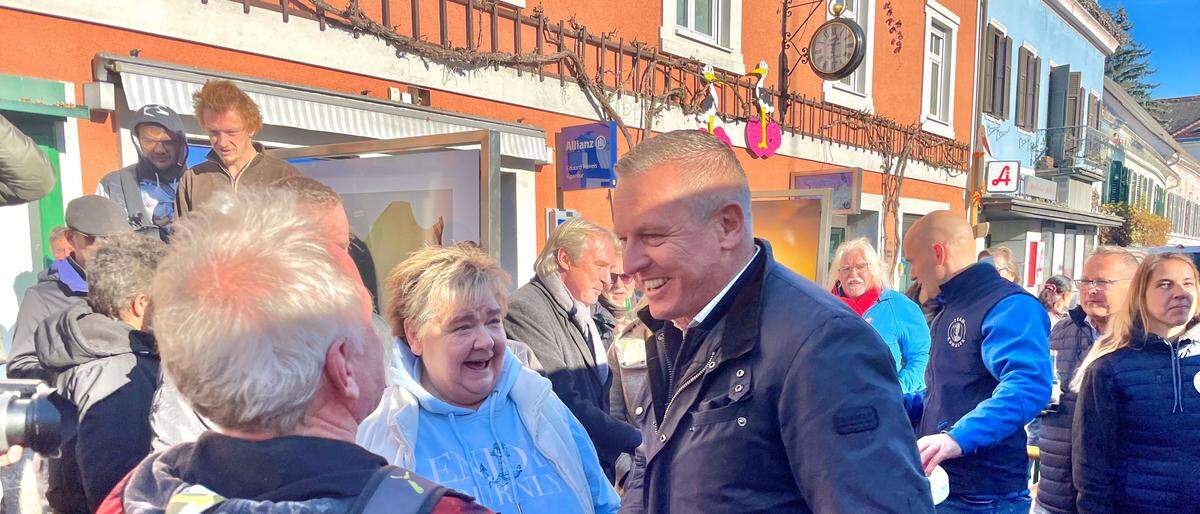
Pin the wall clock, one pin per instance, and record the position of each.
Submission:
(836, 49)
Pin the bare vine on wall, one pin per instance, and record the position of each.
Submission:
(357, 22)
(894, 27)
(895, 148)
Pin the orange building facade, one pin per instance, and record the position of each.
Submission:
(453, 70)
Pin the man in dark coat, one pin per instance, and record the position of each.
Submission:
(1105, 283)
(146, 189)
(553, 315)
(90, 221)
(102, 357)
(767, 394)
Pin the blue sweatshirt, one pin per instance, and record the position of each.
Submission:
(488, 453)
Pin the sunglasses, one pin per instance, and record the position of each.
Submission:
(625, 279)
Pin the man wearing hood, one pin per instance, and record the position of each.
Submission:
(102, 357)
(146, 189)
(91, 220)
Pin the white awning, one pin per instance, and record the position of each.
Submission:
(318, 110)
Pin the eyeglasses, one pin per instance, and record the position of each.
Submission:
(861, 268)
(1099, 284)
(626, 279)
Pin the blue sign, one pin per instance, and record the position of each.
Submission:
(586, 155)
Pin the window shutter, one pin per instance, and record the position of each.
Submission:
(1022, 82)
(1004, 93)
(1037, 86)
(989, 69)
(1093, 115)
(1071, 114)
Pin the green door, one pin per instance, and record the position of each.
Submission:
(47, 213)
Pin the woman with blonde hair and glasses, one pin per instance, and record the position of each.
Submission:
(1136, 440)
(858, 277)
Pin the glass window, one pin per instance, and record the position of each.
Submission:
(859, 11)
(939, 75)
(707, 20)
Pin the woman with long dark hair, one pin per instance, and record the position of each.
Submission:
(1136, 441)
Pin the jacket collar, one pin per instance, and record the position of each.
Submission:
(968, 282)
(216, 158)
(740, 309)
(1078, 317)
(67, 272)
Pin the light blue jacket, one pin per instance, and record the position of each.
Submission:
(523, 408)
(901, 325)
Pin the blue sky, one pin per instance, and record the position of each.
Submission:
(1169, 28)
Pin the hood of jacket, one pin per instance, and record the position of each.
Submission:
(78, 336)
(285, 475)
(169, 120)
(1186, 345)
(410, 380)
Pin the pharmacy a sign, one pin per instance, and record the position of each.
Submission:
(1002, 177)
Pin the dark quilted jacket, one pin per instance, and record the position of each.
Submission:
(1137, 429)
(1070, 341)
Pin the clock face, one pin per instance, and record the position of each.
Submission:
(836, 49)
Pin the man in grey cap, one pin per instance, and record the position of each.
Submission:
(90, 219)
(146, 189)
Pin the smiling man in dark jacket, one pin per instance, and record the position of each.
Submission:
(767, 393)
(103, 359)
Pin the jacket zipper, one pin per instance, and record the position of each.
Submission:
(707, 365)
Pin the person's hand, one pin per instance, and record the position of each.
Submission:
(935, 449)
(12, 455)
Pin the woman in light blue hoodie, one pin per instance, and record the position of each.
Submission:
(460, 408)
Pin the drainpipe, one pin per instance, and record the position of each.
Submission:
(974, 172)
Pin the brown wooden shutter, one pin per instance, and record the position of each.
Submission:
(989, 69)
(1071, 106)
(1005, 99)
(1037, 90)
(1093, 115)
(1022, 83)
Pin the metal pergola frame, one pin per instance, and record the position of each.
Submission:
(489, 167)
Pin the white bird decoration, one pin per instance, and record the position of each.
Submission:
(709, 106)
(763, 135)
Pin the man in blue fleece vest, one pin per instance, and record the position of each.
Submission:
(989, 371)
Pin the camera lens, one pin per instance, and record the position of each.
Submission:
(34, 423)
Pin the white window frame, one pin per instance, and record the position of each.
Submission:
(684, 42)
(936, 12)
(846, 96)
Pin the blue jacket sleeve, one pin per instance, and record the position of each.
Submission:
(1016, 351)
(914, 344)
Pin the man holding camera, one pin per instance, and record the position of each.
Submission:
(90, 221)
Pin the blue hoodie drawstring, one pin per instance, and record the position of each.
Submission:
(470, 455)
(512, 476)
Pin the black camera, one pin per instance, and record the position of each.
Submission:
(31, 415)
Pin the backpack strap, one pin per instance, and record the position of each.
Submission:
(132, 196)
(394, 490)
